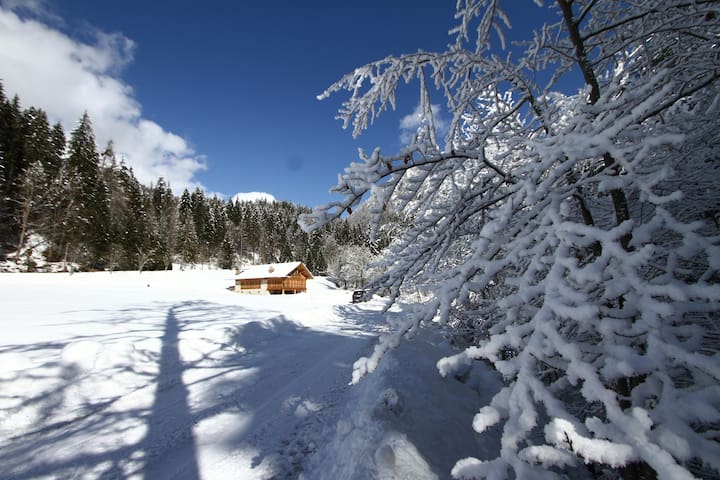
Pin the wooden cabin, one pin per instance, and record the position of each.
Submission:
(275, 278)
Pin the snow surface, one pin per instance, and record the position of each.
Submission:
(170, 375)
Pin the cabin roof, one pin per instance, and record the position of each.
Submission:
(272, 270)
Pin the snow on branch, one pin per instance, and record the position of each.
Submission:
(570, 238)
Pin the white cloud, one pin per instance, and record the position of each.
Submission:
(253, 196)
(65, 77)
(410, 123)
(37, 8)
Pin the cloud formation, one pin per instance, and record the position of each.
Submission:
(253, 196)
(410, 123)
(65, 77)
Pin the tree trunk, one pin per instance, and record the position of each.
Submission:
(26, 210)
(624, 386)
(620, 204)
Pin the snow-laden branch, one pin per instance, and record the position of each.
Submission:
(572, 240)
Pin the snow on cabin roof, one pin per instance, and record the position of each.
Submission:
(271, 270)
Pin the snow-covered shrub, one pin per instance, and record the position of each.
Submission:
(573, 236)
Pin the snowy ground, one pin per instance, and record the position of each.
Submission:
(169, 375)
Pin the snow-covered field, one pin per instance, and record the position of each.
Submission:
(170, 375)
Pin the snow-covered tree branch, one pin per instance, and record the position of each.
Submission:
(569, 231)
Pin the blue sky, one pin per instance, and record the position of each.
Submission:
(217, 94)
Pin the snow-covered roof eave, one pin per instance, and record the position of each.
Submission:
(271, 270)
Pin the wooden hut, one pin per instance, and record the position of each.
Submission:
(273, 278)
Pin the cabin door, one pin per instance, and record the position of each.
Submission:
(263, 285)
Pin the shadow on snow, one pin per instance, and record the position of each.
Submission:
(278, 378)
(170, 417)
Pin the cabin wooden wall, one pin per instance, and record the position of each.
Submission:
(295, 284)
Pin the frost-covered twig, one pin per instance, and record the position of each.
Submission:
(570, 237)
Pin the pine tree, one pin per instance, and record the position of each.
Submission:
(113, 177)
(88, 233)
(38, 184)
(165, 221)
(201, 220)
(54, 215)
(30, 199)
(217, 226)
(187, 241)
(315, 258)
(13, 164)
(226, 255)
(39, 142)
(251, 229)
(55, 162)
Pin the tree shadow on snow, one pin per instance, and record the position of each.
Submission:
(358, 319)
(65, 431)
(294, 396)
(170, 416)
(214, 362)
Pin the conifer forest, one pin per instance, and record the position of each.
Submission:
(85, 207)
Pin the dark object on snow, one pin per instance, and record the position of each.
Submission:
(358, 296)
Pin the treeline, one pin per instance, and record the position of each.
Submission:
(92, 212)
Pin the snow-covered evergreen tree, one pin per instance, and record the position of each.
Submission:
(12, 165)
(36, 186)
(571, 235)
(88, 233)
(187, 241)
(164, 219)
